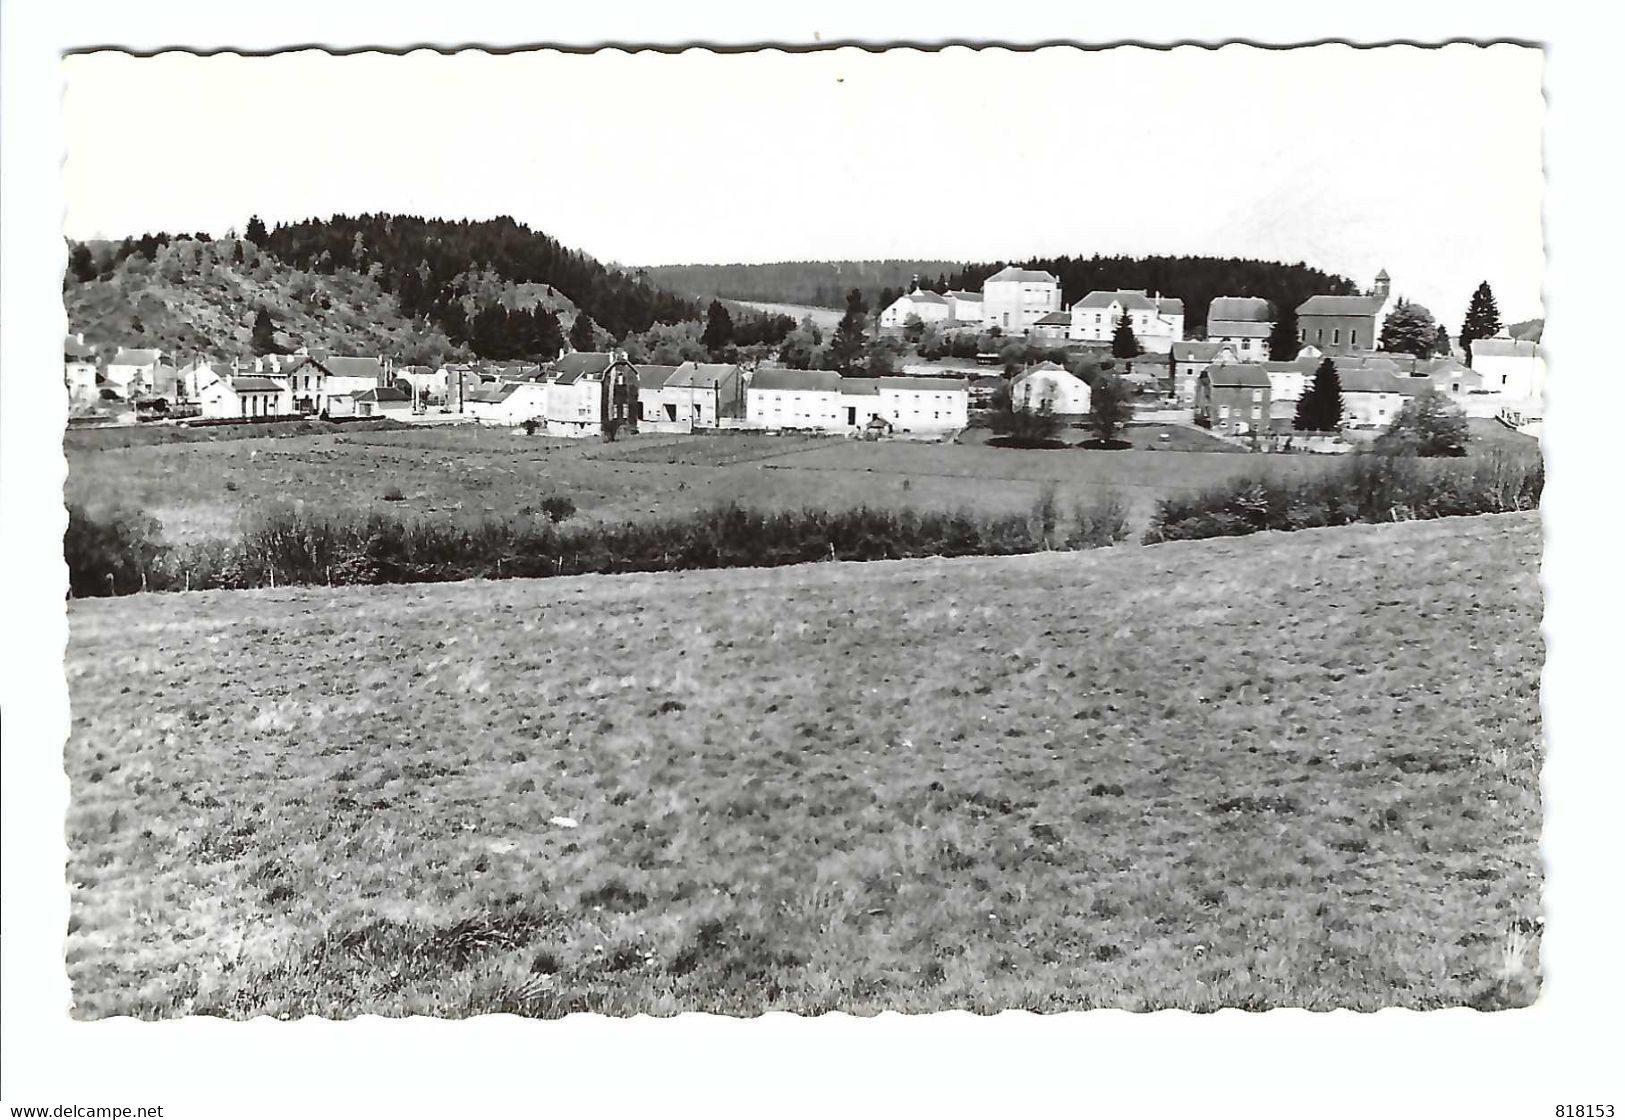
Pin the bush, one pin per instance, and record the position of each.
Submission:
(1363, 488)
(1099, 523)
(393, 494)
(558, 508)
(116, 553)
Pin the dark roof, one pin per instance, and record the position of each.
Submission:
(1237, 375)
(696, 375)
(1196, 351)
(1238, 309)
(860, 387)
(804, 380)
(494, 393)
(255, 385)
(384, 393)
(353, 367)
(1133, 299)
(1238, 328)
(1021, 275)
(1055, 319)
(1340, 305)
(973, 296)
(925, 297)
(573, 366)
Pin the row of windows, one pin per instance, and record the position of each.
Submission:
(1224, 412)
(1337, 332)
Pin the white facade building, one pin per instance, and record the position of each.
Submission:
(130, 373)
(1158, 321)
(1514, 369)
(1242, 322)
(1047, 385)
(929, 306)
(242, 398)
(1013, 299)
(965, 307)
(822, 400)
(508, 403)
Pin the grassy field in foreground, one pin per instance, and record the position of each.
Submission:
(198, 490)
(1283, 770)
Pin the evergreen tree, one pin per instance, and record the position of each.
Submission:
(850, 341)
(81, 263)
(1124, 344)
(264, 336)
(1441, 343)
(719, 330)
(583, 332)
(1483, 319)
(1284, 344)
(256, 231)
(1409, 329)
(548, 335)
(237, 252)
(1321, 408)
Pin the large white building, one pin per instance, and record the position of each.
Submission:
(1514, 369)
(130, 373)
(692, 395)
(590, 392)
(1014, 299)
(822, 400)
(1158, 321)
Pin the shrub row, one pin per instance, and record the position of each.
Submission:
(1363, 488)
(117, 553)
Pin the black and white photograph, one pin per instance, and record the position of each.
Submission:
(636, 532)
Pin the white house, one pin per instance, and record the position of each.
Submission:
(241, 398)
(1373, 397)
(692, 395)
(384, 400)
(1289, 380)
(508, 402)
(1053, 327)
(1013, 299)
(79, 370)
(1158, 321)
(1514, 369)
(1243, 323)
(823, 400)
(929, 306)
(423, 381)
(965, 307)
(1049, 385)
(591, 391)
(130, 372)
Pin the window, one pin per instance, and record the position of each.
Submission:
(1257, 412)
(1335, 333)
(1224, 412)
(1258, 394)
(1320, 335)
(1354, 337)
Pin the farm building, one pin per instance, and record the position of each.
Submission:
(1187, 361)
(965, 307)
(508, 402)
(1233, 398)
(1242, 322)
(692, 395)
(823, 400)
(591, 393)
(228, 398)
(1372, 397)
(1514, 369)
(1053, 327)
(384, 400)
(1048, 385)
(1158, 321)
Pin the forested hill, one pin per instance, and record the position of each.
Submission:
(427, 263)
(1196, 280)
(809, 283)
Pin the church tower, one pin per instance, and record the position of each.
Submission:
(1380, 289)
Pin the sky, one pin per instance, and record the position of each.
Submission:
(1426, 162)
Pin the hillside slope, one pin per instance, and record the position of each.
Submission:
(202, 297)
(1284, 770)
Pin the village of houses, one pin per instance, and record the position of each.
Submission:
(1223, 382)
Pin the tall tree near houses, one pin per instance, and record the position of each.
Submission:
(850, 341)
(255, 231)
(1409, 329)
(1483, 319)
(1321, 407)
(81, 263)
(1283, 341)
(583, 332)
(1441, 343)
(1109, 407)
(719, 330)
(1124, 344)
(263, 337)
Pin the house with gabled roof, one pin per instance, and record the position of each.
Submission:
(964, 307)
(1242, 322)
(1013, 299)
(1233, 398)
(1053, 327)
(1514, 369)
(823, 400)
(929, 306)
(240, 397)
(1158, 321)
(1050, 387)
(592, 393)
(1187, 360)
(129, 372)
(689, 396)
(508, 402)
(79, 370)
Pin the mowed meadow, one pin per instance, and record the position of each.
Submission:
(201, 489)
(1291, 769)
